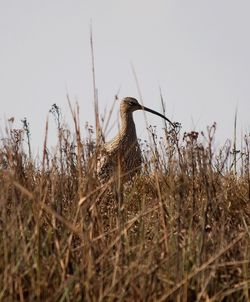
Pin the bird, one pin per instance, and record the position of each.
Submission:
(122, 157)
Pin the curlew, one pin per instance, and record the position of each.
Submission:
(122, 155)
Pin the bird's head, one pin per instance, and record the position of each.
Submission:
(129, 105)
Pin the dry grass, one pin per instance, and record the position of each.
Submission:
(182, 233)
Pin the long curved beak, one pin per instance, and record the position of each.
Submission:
(157, 113)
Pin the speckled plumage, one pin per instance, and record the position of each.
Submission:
(122, 157)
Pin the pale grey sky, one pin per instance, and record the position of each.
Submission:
(197, 51)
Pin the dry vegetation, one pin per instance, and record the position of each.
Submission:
(178, 232)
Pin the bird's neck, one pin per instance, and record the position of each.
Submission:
(127, 124)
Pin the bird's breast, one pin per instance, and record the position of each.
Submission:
(122, 154)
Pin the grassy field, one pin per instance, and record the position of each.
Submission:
(179, 232)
